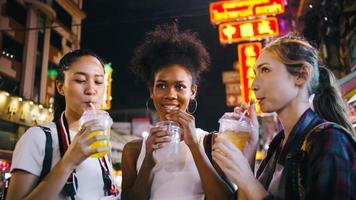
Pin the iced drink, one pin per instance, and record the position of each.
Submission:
(237, 131)
(170, 152)
(105, 123)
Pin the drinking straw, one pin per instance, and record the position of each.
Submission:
(243, 114)
(92, 106)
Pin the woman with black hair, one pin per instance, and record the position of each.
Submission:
(170, 62)
(52, 161)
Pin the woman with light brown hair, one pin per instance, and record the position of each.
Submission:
(314, 156)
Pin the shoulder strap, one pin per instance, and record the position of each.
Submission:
(317, 129)
(208, 145)
(47, 160)
(208, 150)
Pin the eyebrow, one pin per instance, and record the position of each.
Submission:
(259, 66)
(165, 81)
(85, 74)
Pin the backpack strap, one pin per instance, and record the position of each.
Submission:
(209, 140)
(209, 144)
(317, 129)
(47, 160)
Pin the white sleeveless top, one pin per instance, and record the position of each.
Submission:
(175, 181)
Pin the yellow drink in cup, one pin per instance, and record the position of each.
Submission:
(236, 131)
(239, 139)
(105, 122)
(100, 143)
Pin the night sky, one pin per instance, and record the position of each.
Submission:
(114, 28)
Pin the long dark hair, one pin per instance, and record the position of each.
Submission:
(59, 103)
(295, 52)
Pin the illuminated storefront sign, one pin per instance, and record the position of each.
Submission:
(106, 102)
(248, 30)
(233, 100)
(248, 54)
(20, 111)
(224, 11)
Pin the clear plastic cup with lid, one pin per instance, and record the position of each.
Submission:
(238, 131)
(170, 152)
(105, 122)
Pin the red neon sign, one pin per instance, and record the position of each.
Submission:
(248, 30)
(248, 54)
(224, 11)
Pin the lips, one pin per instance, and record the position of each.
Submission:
(90, 103)
(260, 100)
(170, 107)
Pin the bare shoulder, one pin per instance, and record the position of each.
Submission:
(132, 149)
(133, 146)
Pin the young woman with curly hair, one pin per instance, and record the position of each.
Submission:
(171, 62)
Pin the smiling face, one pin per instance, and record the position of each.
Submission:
(172, 89)
(83, 85)
(274, 87)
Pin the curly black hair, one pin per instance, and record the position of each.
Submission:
(166, 46)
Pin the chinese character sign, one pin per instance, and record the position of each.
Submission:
(248, 30)
(224, 11)
(248, 54)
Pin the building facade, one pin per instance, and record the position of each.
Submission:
(34, 35)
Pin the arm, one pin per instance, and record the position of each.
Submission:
(213, 185)
(136, 186)
(24, 184)
(237, 169)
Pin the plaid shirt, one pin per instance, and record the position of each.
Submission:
(330, 163)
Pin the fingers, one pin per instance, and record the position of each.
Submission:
(183, 118)
(221, 160)
(158, 138)
(253, 113)
(91, 126)
(95, 138)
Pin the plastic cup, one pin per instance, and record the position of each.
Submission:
(105, 122)
(170, 152)
(237, 131)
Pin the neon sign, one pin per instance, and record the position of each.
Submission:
(248, 54)
(224, 11)
(248, 30)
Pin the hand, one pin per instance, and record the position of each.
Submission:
(231, 160)
(80, 149)
(187, 123)
(157, 139)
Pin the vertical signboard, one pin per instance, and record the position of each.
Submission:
(248, 54)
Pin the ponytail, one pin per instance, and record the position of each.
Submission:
(59, 105)
(328, 102)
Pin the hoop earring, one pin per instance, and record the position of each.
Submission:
(147, 104)
(195, 106)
